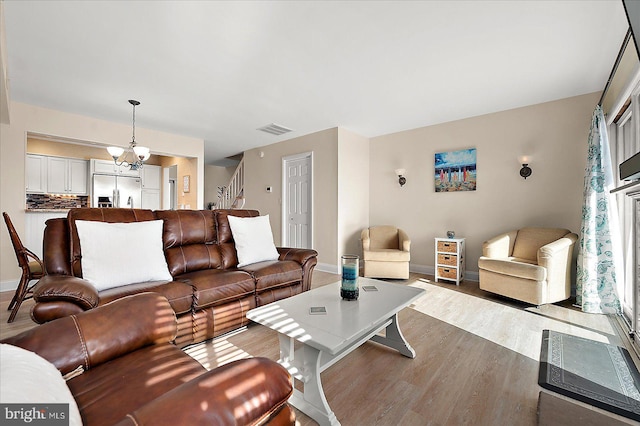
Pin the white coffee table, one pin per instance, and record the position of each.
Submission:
(325, 339)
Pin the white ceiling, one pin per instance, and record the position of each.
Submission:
(218, 70)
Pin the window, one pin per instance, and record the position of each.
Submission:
(624, 139)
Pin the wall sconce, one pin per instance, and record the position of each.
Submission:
(401, 179)
(525, 171)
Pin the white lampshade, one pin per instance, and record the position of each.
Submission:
(524, 159)
(115, 151)
(400, 172)
(142, 152)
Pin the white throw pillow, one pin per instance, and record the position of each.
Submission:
(253, 238)
(116, 254)
(27, 378)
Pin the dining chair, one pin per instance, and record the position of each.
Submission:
(31, 265)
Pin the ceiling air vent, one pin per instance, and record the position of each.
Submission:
(274, 129)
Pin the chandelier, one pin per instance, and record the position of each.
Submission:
(135, 156)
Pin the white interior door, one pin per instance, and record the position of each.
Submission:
(297, 203)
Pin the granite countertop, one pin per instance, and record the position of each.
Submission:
(46, 210)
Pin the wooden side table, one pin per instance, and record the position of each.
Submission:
(449, 259)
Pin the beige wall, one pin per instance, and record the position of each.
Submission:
(554, 134)
(267, 171)
(353, 191)
(4, 82)
(70, 150)
(186, 166)
(31, 119)
(215, 176)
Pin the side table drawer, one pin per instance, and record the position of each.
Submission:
(447, 246)
(451, 273)
(447, 259)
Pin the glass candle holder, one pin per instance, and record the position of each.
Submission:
(350, 269)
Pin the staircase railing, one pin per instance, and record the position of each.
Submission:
(232, 196)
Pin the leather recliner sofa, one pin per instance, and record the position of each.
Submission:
(208, 293)
(124, 372)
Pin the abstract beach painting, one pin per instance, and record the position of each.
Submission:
(455, 170)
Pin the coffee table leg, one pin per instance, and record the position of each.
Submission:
(394, 339)
(311, 401)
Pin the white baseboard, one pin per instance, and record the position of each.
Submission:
(420, 269)
(326, 267)
(9, 285)
(472, 276)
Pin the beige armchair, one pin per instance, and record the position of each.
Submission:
(386, 252)
(531, 265)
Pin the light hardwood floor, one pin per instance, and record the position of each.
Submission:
(476, 358)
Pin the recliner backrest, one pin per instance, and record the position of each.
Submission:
(529, 240)
(189, 238)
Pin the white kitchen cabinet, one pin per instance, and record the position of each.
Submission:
(151, 177)
(150, 198)
(78, 176)
(103, 167)
(108, 167)
(67, 176)
(36, 174)
(57, 175)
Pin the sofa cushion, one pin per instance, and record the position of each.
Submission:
(213, 287)
(253, 239)
(387, 255)
(107, 393)
(529, 240)
(274, 273)
(116, 254)
(179, 294)
(193, 257)
(27, 378)
(514, 267)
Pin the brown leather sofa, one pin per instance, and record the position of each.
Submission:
(208, 293)
(129, 373)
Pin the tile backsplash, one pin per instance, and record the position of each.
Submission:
(48, 201)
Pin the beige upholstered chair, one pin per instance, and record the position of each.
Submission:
(531, 264)
(385, 252)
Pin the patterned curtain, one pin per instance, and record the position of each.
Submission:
(598, 255)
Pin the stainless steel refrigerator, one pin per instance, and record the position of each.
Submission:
(116, 191)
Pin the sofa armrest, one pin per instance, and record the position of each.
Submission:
(66, 288)
(98, 335)
(404, 242)
(299, 255)
(246, 392)
(500, 246)
(366, 240)
(556, 258)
